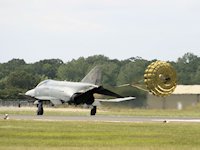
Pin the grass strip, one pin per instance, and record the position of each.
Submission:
(98, 135)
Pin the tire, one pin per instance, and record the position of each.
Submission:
(40, 110)
(93, 111)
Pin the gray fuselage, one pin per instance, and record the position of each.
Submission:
(59, 90)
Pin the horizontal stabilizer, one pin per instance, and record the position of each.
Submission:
(107, 92)
(116, 99)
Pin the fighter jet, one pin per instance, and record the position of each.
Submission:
(77, 93)
(159, 78)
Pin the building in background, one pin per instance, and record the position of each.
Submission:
(182, 97)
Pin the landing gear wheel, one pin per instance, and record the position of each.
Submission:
(93, 111)
(160, 78)
(40, 110)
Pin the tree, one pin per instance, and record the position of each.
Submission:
(21, 79)
(196, 78)
(10, 66)
(110, 73)
(47, 67)
(132, 72)
(16, 75)
(73, 71)
(186, 67)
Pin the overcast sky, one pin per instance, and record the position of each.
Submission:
(68, 29)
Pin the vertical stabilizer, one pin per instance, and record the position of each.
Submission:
(93, 77)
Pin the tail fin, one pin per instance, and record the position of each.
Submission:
(93, 77)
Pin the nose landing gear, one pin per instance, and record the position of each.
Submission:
(40, 110)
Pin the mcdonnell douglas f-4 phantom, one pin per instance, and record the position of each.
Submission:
(59, 92)
(159, 78)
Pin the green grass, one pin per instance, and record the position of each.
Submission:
(47, 111)
(34, 135)
(192, 112)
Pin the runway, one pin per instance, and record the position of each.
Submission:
(101, 118)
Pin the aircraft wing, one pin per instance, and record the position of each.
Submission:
(53, 101)
(116, 99)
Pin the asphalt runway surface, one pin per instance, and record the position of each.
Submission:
(101, 118)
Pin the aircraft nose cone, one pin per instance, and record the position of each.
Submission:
(30, 93)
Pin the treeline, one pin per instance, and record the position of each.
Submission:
(17, 76)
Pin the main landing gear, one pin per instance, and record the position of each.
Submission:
(40, 110)
(93, 111)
